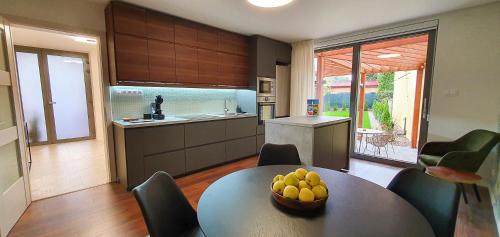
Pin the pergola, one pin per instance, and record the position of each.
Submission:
(402, 54)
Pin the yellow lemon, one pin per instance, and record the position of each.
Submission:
(319, 192)
(312, 178)
(306, 195)
(278, 177)
(322, 183)
(303, 184)
(291, 179)
(291, 192)
(279, 186)
(300, 173)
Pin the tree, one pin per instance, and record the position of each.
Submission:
(385, 85)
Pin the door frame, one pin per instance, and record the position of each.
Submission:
(16, 206)
(47, 96)
(426, 92)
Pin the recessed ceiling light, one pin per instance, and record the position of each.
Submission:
(84, 39)
(269, 3)
(391, 55)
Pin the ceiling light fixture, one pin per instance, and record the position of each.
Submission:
(269, 3)
(391, 55)
(84, 39)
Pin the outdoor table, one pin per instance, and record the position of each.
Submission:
(363, 131)
(241, 204)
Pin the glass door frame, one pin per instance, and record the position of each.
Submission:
(426, 93)
(47, 96)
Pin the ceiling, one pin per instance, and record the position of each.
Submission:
(303, 19)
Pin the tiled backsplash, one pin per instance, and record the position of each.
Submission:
(130, 101)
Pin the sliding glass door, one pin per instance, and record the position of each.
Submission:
(384, 86)
(56, 95)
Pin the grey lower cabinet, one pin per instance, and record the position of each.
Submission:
(239, 148)
(173, 163)
(181, 148)
(205, 156)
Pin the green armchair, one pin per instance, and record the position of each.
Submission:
(464, 154)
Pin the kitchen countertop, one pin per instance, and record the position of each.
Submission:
(308, 121)
(178, 120)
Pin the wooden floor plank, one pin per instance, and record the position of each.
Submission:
(108, 210)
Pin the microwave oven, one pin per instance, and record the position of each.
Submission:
(266, 87)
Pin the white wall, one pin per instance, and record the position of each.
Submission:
(467, 64)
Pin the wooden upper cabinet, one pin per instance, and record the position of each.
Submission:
(131, 58)
(208, 67)
(161, 61)
(160, 26)
(208, 37)
(186, 32)
(233, 43)
(186, 64)
(233, 70)
(129, 19)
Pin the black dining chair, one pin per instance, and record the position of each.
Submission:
(437, 200)
(274, 154)
(166, 210)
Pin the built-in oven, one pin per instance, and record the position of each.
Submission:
(266, 87)
(266, 108)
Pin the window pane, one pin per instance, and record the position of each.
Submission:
(334, 77)
(6, 110)
(32, 97)
(67, 85)
(9, 165)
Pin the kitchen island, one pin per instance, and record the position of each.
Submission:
(322, 141)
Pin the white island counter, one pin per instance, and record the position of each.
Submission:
(322, 141)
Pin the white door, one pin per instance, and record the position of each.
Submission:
(14, 183)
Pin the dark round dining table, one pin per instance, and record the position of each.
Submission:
(240, 204)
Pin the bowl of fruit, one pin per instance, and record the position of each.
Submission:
(300, 190)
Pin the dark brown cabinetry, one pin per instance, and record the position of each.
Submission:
(131, 58)
(161, 61)
(186, 64)
(149, 46)
(160, 26)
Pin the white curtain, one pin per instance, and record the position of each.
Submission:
(302, 77)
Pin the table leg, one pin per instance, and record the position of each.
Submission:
(477, 192)
(461, 185)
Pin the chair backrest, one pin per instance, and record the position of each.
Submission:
(274, 154)
(478, 140)
(164, 207)
(437, 200)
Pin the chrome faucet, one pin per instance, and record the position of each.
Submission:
(225, 104)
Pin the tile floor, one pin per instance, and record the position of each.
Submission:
(67, 167)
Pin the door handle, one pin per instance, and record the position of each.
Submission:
(52, 102)
(424, 110)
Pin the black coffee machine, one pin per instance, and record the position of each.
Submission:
(156, 108)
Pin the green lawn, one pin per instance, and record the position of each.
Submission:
(366, 119)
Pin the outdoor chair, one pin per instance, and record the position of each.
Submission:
(378, 141)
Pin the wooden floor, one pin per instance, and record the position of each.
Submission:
(108, 210)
